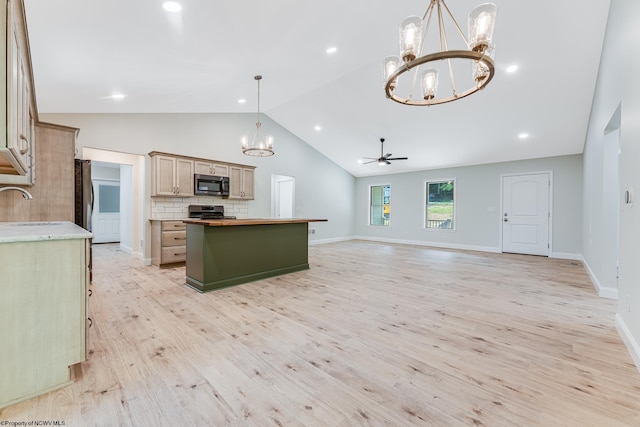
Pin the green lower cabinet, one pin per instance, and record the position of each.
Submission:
(218, 257)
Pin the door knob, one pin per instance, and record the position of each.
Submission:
(506, 220)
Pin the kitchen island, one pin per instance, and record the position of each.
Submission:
(227, 252)
(43, 306)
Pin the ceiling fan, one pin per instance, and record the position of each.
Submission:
(384, 159)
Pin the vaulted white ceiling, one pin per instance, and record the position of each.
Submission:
(203, 59)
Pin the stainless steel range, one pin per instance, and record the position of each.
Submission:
(208, 212)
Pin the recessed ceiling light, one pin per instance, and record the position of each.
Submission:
(332, 49)
(318, 128)
(172, 6)
(360, 161)
(523, 135)
(512, 68)
(242, 101)
(116, 96)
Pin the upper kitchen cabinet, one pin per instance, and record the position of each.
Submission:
(241, 181)
(209, 168)
(18, 113)
(171, 176)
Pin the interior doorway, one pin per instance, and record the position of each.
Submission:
(526, 213)
(611, 202)
(282, 196)
(106, 211)
(133, 216)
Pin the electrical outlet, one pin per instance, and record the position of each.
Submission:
(312, 231)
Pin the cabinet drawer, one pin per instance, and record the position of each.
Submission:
(174, 254)
(173, 238)
(173, 225)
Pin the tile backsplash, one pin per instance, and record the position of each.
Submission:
(178, 208)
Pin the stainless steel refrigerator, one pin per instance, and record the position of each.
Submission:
(84, 200)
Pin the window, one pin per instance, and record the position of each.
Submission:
(440, 205)
(109, 198)
(380, 205)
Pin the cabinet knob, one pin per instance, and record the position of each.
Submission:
(24, 144)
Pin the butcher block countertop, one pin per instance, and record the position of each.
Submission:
(250, 221)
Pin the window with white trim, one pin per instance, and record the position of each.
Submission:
(380, 205)
(440, 209)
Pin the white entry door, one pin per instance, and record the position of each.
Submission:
(525, 214)
(283, 195)
(106, 212)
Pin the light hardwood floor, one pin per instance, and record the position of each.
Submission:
(372, 334)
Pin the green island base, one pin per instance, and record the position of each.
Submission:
(223, 253)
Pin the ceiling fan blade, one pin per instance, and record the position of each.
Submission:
(384, 159)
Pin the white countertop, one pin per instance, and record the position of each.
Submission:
(41, 230)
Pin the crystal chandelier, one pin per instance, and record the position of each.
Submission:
(261, 146)
(400, 84)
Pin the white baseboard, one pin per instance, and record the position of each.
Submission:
(333, 240)
(629, 340)
(137, 255)
(432, 244)
(566, 255)
(603, 291)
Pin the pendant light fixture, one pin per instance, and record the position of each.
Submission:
(476, 57)
(259, 145)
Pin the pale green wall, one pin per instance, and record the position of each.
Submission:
(323, 189)
(618, 85)
(477, 205)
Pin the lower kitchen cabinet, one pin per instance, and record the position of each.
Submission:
(43, 313)
(168, 242)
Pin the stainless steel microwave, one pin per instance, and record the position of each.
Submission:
(211, 185)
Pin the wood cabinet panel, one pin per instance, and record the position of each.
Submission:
(164, 176)
(53, 194)
(168, 240)
(210, 168)
(203, 168)
(43, 315)
(173, 238)
(184, 177)
(174, 254)
(17, 145)
(171, 176)
(220, 170)
(241, 183)
(173, 225)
